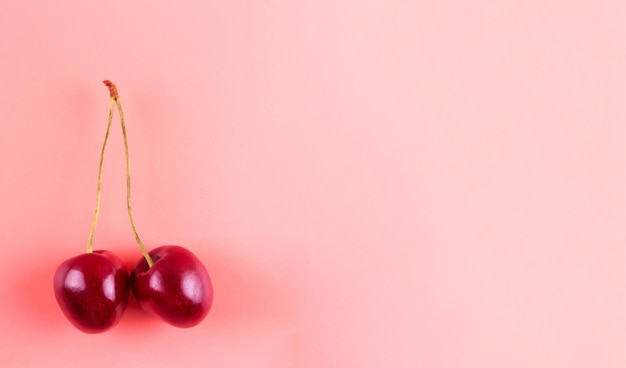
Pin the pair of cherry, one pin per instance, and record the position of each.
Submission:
(92, 289)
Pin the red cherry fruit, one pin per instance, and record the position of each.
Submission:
(92, 290)
(177, 287)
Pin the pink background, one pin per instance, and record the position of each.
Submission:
(369, 183)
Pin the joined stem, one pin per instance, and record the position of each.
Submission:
(114, 100)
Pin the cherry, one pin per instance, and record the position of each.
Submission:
(177, 287)
(92, 290)
(170, 280)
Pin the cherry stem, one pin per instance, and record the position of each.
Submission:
(115, 100)
(146, 255)
(97, 211)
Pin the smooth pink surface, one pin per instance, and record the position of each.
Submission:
(369, 183)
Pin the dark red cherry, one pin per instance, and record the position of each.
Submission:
(92, 290)
(177, 287)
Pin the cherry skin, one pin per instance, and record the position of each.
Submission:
(92, 290)
(177, 287)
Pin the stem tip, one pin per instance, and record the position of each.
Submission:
(112, 88)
